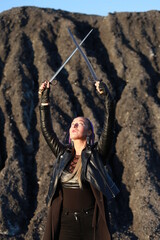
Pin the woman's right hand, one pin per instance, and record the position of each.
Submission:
(44, 93)
(101, 87)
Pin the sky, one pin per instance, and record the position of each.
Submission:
(97, 7)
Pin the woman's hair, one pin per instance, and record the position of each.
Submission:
(78, 168)
(90, 127)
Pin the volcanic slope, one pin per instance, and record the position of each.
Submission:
(124, 49)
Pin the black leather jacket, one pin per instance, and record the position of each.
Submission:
(93, 157)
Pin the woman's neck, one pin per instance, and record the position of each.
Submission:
(79, 145)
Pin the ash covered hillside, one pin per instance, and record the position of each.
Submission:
(124, 50)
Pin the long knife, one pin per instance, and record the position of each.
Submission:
(95, 79)
(54, 76)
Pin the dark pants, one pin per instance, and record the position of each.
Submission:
(76, 226)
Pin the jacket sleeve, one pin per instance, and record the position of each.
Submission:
(106, 138)
(48, 132)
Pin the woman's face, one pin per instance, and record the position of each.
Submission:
(79, 129)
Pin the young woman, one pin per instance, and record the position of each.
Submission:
(80, 181)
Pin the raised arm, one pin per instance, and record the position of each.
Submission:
(106, 138)
(45, 119)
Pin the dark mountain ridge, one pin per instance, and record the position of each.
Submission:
(124, 49)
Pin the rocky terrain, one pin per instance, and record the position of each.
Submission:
(124, 49)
